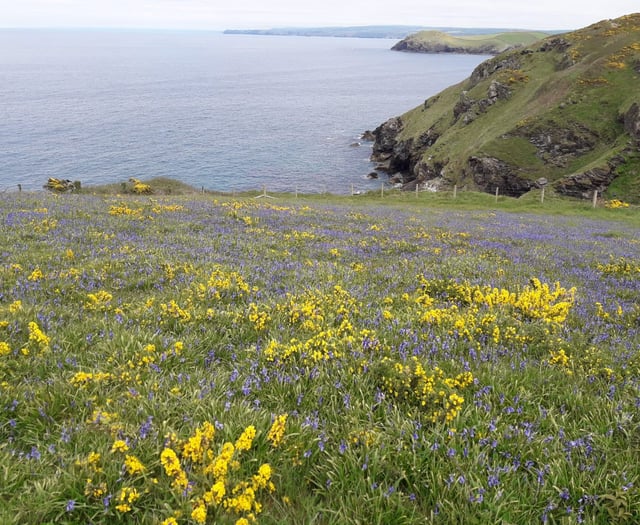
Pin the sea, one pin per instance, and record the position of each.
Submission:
(219, 112)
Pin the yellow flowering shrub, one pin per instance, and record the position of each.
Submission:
(213, 485)
(277, 430)
(433, 393)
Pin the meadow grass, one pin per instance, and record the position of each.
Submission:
(413, 359)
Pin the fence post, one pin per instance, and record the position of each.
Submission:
(382, 190)
(542, 196)
(497, 192)
(455, 190)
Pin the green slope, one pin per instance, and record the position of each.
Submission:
(559, 113)
(440, 42)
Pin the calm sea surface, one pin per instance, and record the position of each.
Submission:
(223, 112)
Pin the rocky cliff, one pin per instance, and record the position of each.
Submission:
(565, 110)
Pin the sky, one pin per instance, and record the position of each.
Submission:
(263, 14)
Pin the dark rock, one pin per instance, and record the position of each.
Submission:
(490, 173)
(491, 66)
(397, 178)
(355, 144)
(583, 184)
(372, 175)
(385, 137)
(463, 106)
(632, 121)
(427, 139)
(498, 91)
(559, 146)
(554, 44)
(565, 62)
(430, 101)
(429, 170)
(368, 136)
(411, 185)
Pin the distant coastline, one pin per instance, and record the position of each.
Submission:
(392, 32)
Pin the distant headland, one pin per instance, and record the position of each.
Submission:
(392, 31)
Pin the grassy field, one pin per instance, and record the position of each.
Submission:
(200, 359)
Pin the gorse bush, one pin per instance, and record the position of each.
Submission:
(188, 360)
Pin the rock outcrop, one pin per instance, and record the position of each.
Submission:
(490, 173)
(583, 184)
(632, 122)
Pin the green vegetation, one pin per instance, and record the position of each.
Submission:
(197, 358)
(488, 44)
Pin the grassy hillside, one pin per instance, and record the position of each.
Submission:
(441, 42)
(552, 110)
(194, 359)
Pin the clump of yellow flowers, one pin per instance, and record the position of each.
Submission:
(213, 484)
(433, 393)
(276, 432)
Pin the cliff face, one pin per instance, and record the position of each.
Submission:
(564, 110)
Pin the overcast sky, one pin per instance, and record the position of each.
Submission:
(248, 14)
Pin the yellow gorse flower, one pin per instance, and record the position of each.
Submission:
(170, 462)
(36, 275)
(15, 306)
(276, 432)
(199, 513)
(245, 440)
(98, 301)
(38, 336)
(119, 445)
(5, 349)
(195, 448)
(133, 465)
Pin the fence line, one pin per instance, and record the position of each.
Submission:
(386, 190)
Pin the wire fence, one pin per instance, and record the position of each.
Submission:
(384, 189)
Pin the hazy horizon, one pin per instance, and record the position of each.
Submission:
(268, 14)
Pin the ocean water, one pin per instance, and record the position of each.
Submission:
(222, 112)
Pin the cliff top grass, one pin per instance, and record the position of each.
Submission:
(550, 203)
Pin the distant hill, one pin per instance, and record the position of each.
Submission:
(395, 32)
(484, 44)
(565, 110)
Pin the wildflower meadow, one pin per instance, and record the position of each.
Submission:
(199, 359)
